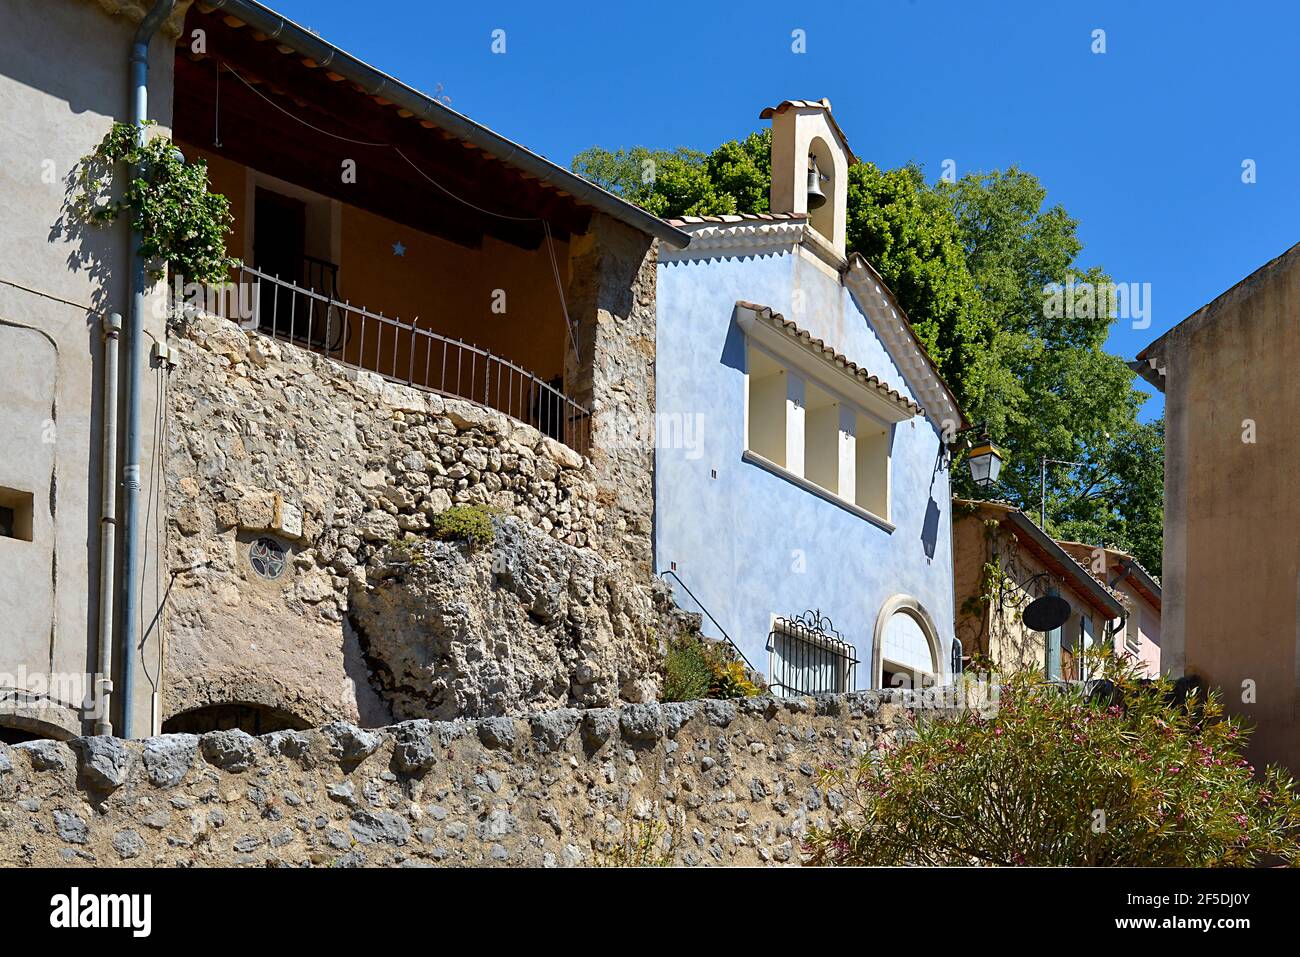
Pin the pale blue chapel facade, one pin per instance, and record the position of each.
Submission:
(801, 483)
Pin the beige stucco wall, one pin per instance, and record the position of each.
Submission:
(1232, 519)
(63, 80)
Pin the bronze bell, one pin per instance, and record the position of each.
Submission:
(816, 198)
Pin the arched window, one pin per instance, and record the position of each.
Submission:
(246, 716)
(906, 652)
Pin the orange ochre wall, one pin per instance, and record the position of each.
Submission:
(448, 288)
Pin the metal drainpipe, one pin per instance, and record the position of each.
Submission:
(130, 578)
(107, 528)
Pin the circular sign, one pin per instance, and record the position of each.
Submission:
(267, 557)
(1047, 613)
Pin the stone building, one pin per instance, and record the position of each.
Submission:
(802, 487)
(426, 315)
(1231, 567)
(1002, 562)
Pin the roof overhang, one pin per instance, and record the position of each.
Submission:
(892, 325)
(1057, 559)
(822, 105)
(797, 347)
(720, 237)
(378, 84)
(1051, 555)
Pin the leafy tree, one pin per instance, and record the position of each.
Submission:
(1054, 777)
(969, 262)
(1049, 389)
(910, 235)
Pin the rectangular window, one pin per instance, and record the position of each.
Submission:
(806, 661)
(871, 458)
(767, 407)
(821, 439)
(1085, 644)
(16, 514)
(1132, 634)
(816, 435)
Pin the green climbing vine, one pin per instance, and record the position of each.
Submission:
(183, 225)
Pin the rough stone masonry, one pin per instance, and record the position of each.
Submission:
(708, 782)
(344, 472)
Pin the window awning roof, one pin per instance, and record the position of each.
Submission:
(817, 349)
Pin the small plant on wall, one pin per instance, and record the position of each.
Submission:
(183, 226)
(694, 668)
(465, 523)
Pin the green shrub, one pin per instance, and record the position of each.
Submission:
(1053, 777)
(181, 224)
(465, 523)
(688, 672)
(696, 669)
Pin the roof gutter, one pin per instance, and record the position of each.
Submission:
(377, 83)
(133, 360)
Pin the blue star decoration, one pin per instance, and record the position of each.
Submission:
(399, 249)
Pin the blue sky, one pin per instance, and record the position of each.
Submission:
(1143, 144)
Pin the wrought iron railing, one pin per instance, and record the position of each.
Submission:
(404, 352)
(810, 657)
(726, 638)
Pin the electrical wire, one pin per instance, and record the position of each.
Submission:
(546, 226)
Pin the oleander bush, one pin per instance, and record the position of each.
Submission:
(1131, 774)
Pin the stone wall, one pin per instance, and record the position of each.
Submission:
(612, 306)
(712, 782)
(336, 467)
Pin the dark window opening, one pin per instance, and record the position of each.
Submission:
(19, 735)
(15, 514)
(255, 719)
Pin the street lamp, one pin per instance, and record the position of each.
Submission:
(985, 461)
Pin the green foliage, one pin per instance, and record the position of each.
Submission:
(694, 669)
(909, 233)
(968, 262)
(465, 523)
(1047, 386)
(730, 681)
(182, 225)
(688, 672)
(642, 845)
(736, 177)
(1052, 778)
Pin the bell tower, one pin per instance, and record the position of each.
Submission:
(810, 166)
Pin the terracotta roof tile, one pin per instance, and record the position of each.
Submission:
(827, 352)
(736, 218)
(822, 104)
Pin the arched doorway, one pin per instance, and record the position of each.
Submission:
(19, 735)
(246, 716)
(905, 651)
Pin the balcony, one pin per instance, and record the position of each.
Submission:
(313, 317)
(386, 242)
